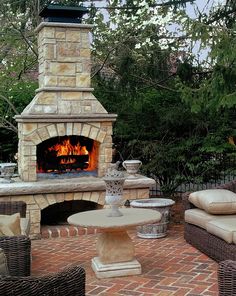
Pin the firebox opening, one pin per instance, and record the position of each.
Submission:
(67, 155)
(58, 213)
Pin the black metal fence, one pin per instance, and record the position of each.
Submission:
(225, 173)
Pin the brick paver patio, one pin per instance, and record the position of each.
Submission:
(170, 265)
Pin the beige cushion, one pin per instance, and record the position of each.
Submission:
(197, 217)
(10, 225)
(200, 218)
(3, 263)
(223, 228)
(214, 201)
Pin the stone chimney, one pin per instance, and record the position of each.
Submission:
(64, 103)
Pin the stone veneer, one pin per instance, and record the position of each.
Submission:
(64, 103)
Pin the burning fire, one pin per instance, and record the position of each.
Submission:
(66, 148)
(69, 155)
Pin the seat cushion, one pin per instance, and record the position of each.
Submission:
(214, 201)
(197, 217)
(10, 225)
(223, 228)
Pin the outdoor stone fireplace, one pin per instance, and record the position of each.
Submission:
(65, 134)
(64, 108)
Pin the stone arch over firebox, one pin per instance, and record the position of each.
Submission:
(39, 132)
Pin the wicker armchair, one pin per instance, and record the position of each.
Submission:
(227, 278)
(69, 282)
(16, 248)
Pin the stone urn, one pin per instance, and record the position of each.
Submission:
(132, 166)
(7, 171)
(114, 180)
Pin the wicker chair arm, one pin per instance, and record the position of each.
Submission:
(12, 207)
(18, 252)
(186, 203)
(69, 282)
(227, 278)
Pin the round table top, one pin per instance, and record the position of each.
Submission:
(99, 219)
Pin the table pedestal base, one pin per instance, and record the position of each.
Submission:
(115, 269)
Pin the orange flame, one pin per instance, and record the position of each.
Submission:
(66, 148)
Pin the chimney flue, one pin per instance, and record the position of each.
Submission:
(63, 14)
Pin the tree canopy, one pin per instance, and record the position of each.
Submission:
(169, 75)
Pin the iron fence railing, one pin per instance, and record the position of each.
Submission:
(225, 173)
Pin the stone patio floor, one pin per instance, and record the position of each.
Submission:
(170, 266)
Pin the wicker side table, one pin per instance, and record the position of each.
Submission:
(162, 205)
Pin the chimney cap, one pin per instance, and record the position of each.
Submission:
(63, 14)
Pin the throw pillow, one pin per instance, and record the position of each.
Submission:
(3, 263)
(10, 225)
(215, 201)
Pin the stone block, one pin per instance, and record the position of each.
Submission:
(85, 53)
(78, 195)
(101, 199)
(52, 131)
(46, 98)
(87, 67)
(34, 137)
(86, 130)
(71, 96)
(41, 200)
(35, 216)
(85, 43)
(51, 199)
(75, 107)
(49, 80)
(79, 67)
(94, 196)
(69, 196)
(60, 197)
(101, 136)
(69, 128)
(77, 128)
(87, 109)
(28, 128)
(68, 51)
(72, 35)
(66, 81)
(108, 155)
(93, 133)
(143, 193)
(83, 80)
(49, 51)
(61, 69)
(64, 107)
(47, 32)
(86, 195)
(60, 35)
(61, 129)
(43, 133)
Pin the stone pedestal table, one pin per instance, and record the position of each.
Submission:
(116, 254)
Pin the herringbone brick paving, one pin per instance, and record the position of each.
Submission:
(170, 266)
